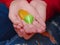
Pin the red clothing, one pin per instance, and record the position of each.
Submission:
(6, 2)
(51, 6)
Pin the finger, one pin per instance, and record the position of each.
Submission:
(40, 6)
(21, 33)
(40, 28)
(17, 26)
(26, 35)
(32, 28)
(18, 31)
(29, 28)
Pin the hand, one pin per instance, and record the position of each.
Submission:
(17, 23)
(38, 25)
(14, 7)
(40, 7)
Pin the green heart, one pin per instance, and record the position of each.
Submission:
(29, 19)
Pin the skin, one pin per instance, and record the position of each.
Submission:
(38, 9)
(20, 26)
(41, 5)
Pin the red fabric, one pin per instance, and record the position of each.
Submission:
(6, 2)
(51, 5)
